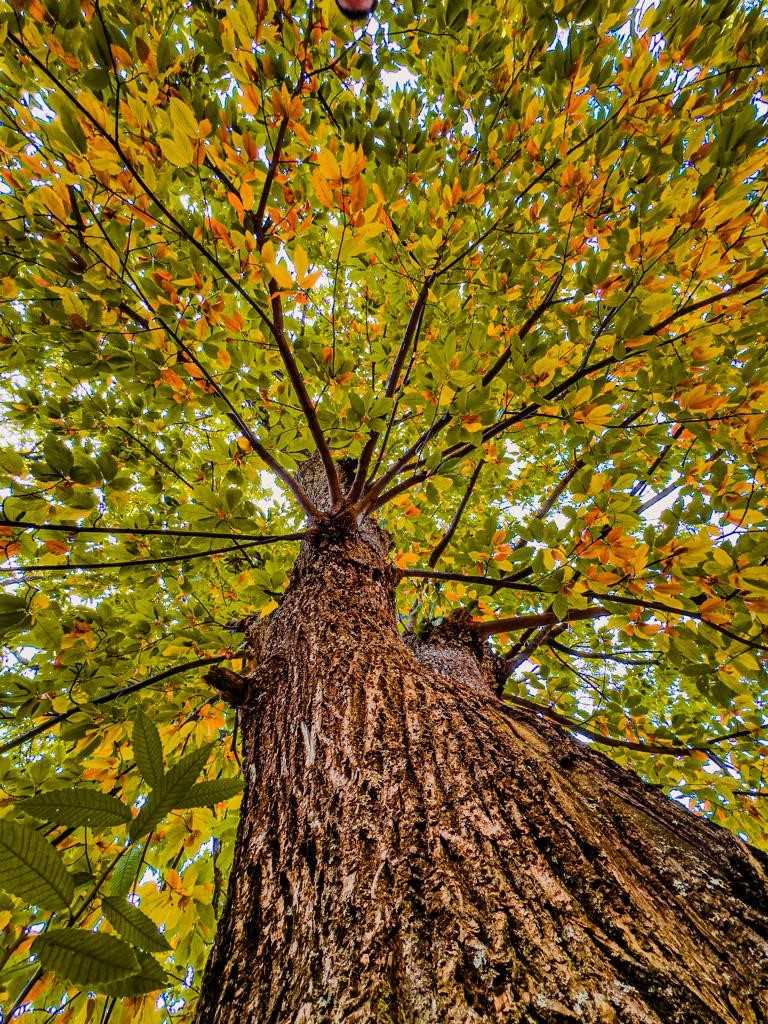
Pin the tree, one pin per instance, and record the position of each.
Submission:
(386, 439)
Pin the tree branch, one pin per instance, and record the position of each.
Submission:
(139, 531)
(461, 449)
(522, 651)
(447, 537)
(671, 749)
(513, 623)
(154, 455)
(538, 312)
(307, 406)
(278, 322)
(128, 563)
(114, 695)
(516, 622)
(574, 652)
(282, 474)
(188, 236)
(411, 330)
(457, 577)
(149, 192)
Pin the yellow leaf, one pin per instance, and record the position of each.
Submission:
(178, 150)
(246, 196)
(182, 117)
(322, 190)
(722, 558)
(172, 378)
(328, 165)
(281, 274)
(311, 279)
(301, 261)
(594, 417)
(121, 56)
(475, 196)
(353, 162)
(52, 202)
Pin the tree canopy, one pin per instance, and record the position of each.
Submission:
(508, 259)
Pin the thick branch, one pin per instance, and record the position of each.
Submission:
(538, 312)
(234, 415)
(268, 181)
(409, 336)
(516, 622)
(670, 610)
(522, 651)
(462, 449)
(187, 235)
(513, 623)
(280, 472)
(307, 406)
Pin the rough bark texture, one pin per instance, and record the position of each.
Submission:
(408, 852)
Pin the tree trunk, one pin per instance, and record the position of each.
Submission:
(410, 852)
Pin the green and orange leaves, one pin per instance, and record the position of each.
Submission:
(616, 159)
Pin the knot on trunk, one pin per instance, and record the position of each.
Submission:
(453, 648)
(233, 687)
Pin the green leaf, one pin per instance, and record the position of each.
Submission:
(32, 869)
(150, 978)
(13, 613)
(125, 872)
(148, 750)
(206, 794)
(11, 462)
(57, 454)
(85, 957)
(78, 806)
(175, 787)
(133, 924)
(560, 606)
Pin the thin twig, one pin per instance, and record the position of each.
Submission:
(114, 695)
(447, 537)
(671, 749)
(124, 564)
(141, 531)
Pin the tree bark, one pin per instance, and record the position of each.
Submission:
(409, 853)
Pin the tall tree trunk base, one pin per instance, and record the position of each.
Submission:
(409, 853)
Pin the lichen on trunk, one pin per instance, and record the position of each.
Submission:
(411, 853)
